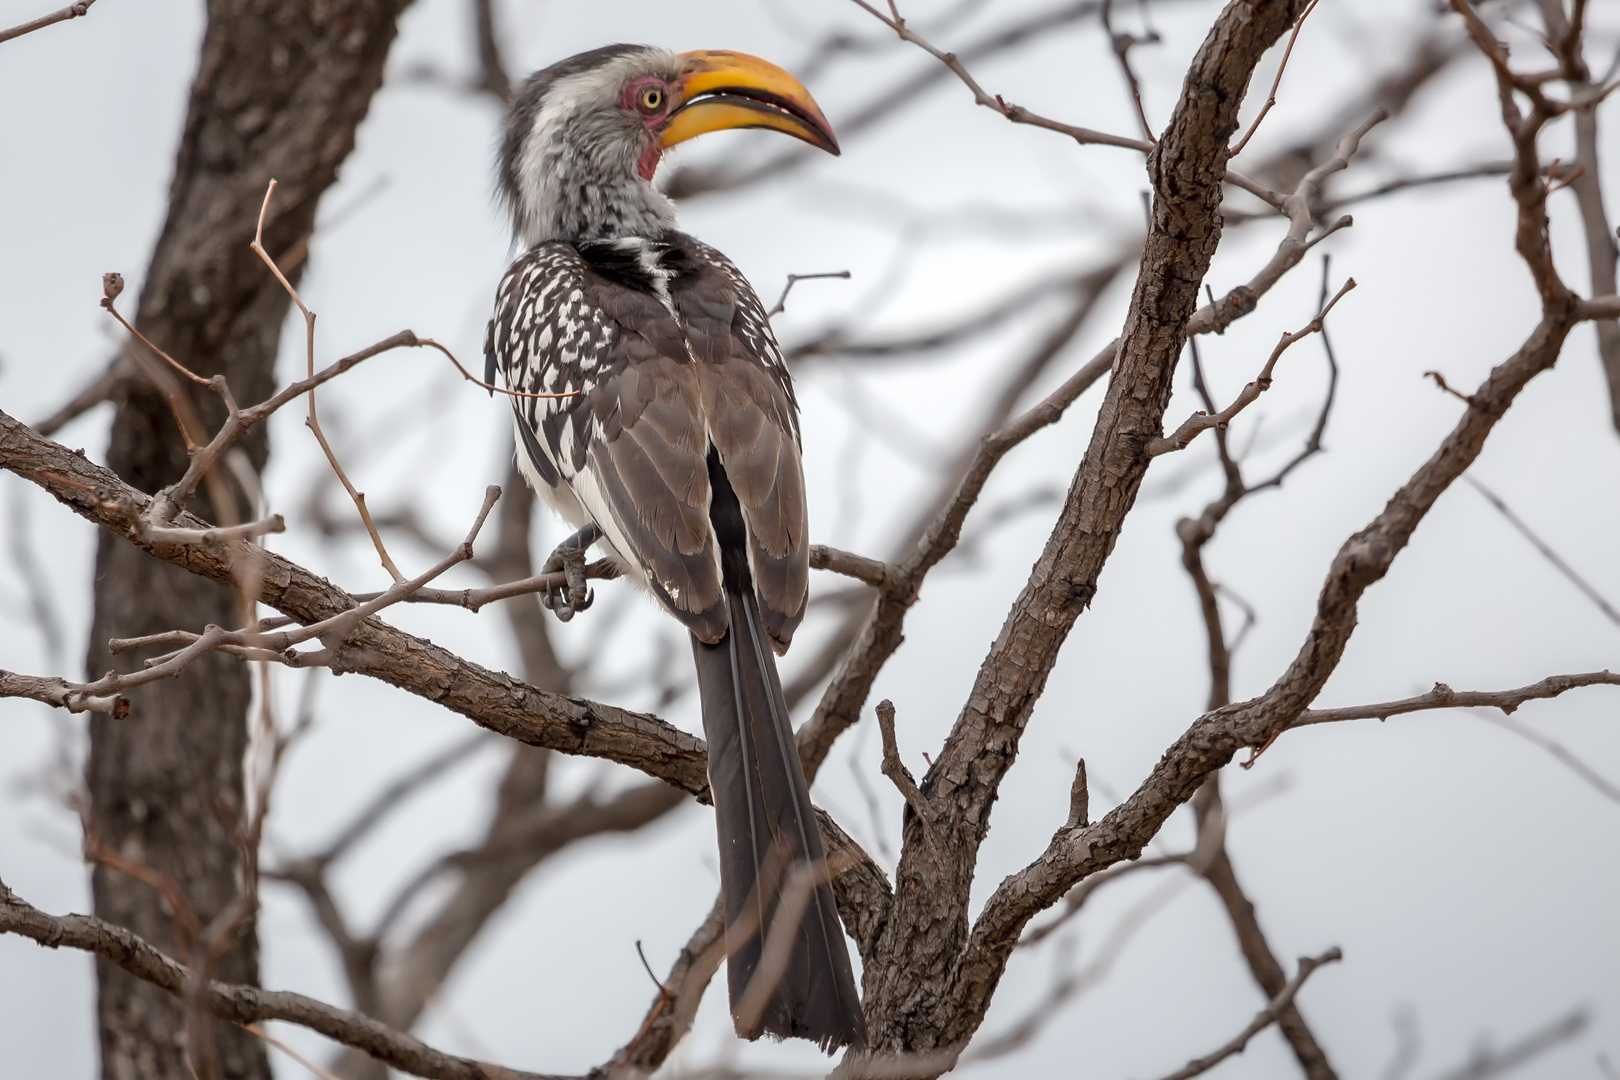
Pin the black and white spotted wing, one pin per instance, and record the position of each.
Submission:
(671, 353)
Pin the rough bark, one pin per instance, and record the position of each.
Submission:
(924, 1004)
(280, 88)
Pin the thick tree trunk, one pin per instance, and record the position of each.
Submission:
(280, 88)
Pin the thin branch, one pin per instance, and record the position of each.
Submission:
(250, 643)
(895, 769)
(242, 1004)
(1271, 98)
(475, 599)
(1020, 115)
(1016, 113)
(395, 793)
(290, 1052)
(492, 700)
(72, 11)
(1489, 169)
(1444, 697)
(1216, 867)
(1547, 552)
(1264, 1019)
(1484, 1062)
(1201, 421)
(113, 284)
(492, 75)
(1122, 45)
(870, 646)
(794, 279)
(61, 694)
(878, 574)
(1602, 784)
(1077, 897)
(93, 393)
(313, 421)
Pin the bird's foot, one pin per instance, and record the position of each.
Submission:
(569, 560)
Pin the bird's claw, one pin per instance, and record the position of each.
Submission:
(569, 559)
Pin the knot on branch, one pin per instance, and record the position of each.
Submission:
(1233, 306)
(1362, 560)
(1082, 592)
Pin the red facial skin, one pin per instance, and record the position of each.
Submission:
(654, 119)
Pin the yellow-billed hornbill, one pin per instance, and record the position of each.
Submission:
(680, 450)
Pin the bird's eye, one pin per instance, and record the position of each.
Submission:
(651, 98)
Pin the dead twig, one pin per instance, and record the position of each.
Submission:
(72, 11)
(1271, 98)
(1444, 697)
(1264, 1019)
(794, 279)
(1201, 421)
(1546, 551)
(242, 1004)
(895, 769)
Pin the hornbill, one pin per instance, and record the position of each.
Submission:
(680, 450)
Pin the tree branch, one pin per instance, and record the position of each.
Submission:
(1264, 1019)
(243, 1004)
(72, 11)
(1362, 561)
(1444, 697)
(492, 700)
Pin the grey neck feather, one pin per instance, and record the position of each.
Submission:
(568, 166)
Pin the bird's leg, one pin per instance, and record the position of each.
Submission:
(569, 558)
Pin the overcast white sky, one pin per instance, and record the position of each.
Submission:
(1471, 879)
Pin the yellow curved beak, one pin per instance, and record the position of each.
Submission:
(721, 89)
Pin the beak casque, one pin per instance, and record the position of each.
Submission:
(721, 89)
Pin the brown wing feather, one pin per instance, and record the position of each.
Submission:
(646, 455)
(753, 423)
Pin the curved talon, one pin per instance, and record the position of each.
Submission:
(569, 559)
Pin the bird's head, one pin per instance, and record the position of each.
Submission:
(584, 136)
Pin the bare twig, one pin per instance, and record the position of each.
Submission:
(1440, 381)
(1016, 113)
(492, 75)
(72, 11)
(1444, 697)
(1201, 421)
(1122, 45)
(493, 700)
(61, 694)
(1546, 551)
(1484, 1062)
(112, 285)
(314, 422)
(794, 279)
(879, 575)
(1271, 98)
(241, 1004)
(1077, 897)
(475, 599)
(1264, 1019)
(290, 1052)
(895, 769)
(250, 643)
(1600, 783)
(93, 393)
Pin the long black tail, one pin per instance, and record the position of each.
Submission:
(770, 849)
